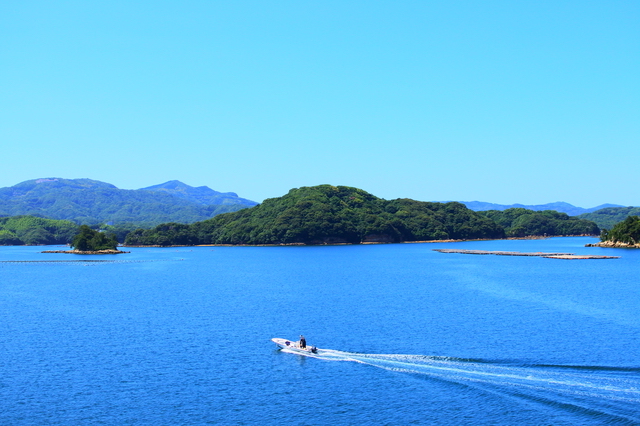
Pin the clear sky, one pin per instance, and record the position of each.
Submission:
(498, 101)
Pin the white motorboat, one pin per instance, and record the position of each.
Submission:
(293, 345)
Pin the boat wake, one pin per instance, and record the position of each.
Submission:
(610, 394)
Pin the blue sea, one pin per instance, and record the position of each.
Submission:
(181, 336)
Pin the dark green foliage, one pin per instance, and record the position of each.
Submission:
(90, 240)
(120, 230)
(421, 221)
(328, 214)
(607, 218)
(627, 231)
(519, 222)
(87, 201)
(163, 235)
(30, 230)
(8, 238)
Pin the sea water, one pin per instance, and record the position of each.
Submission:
(408, 335)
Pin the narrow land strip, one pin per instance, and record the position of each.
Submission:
(566, 256)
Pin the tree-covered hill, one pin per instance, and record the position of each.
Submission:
(607, 218)
(87, 201)
(90, 240)
(324, 215)
(30, 230)
(519, 222)
(625, 232)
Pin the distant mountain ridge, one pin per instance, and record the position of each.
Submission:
(87, 201)
(609, 217)
(200, 194)
(558, 206)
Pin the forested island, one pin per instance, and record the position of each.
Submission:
(91, 241)
(625, 234)
(328, 214)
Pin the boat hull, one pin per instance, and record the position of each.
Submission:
(291, 345)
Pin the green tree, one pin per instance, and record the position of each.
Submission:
(91, 240)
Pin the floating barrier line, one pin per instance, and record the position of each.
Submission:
(79, 261)
(519, 253)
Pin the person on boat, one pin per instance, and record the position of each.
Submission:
(303, 342)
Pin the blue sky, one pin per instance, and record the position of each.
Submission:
(498, 101)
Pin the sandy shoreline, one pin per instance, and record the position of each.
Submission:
(611, 244)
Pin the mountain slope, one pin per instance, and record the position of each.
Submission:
(201, 194)
(607, 218)
(29, 230)
(87, 201)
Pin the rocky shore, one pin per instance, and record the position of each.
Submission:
(613, 244)
(86, 252)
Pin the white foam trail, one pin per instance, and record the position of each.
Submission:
(613, 385)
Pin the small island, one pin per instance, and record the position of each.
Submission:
(89, 241)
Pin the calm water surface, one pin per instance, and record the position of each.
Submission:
(182, 336)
